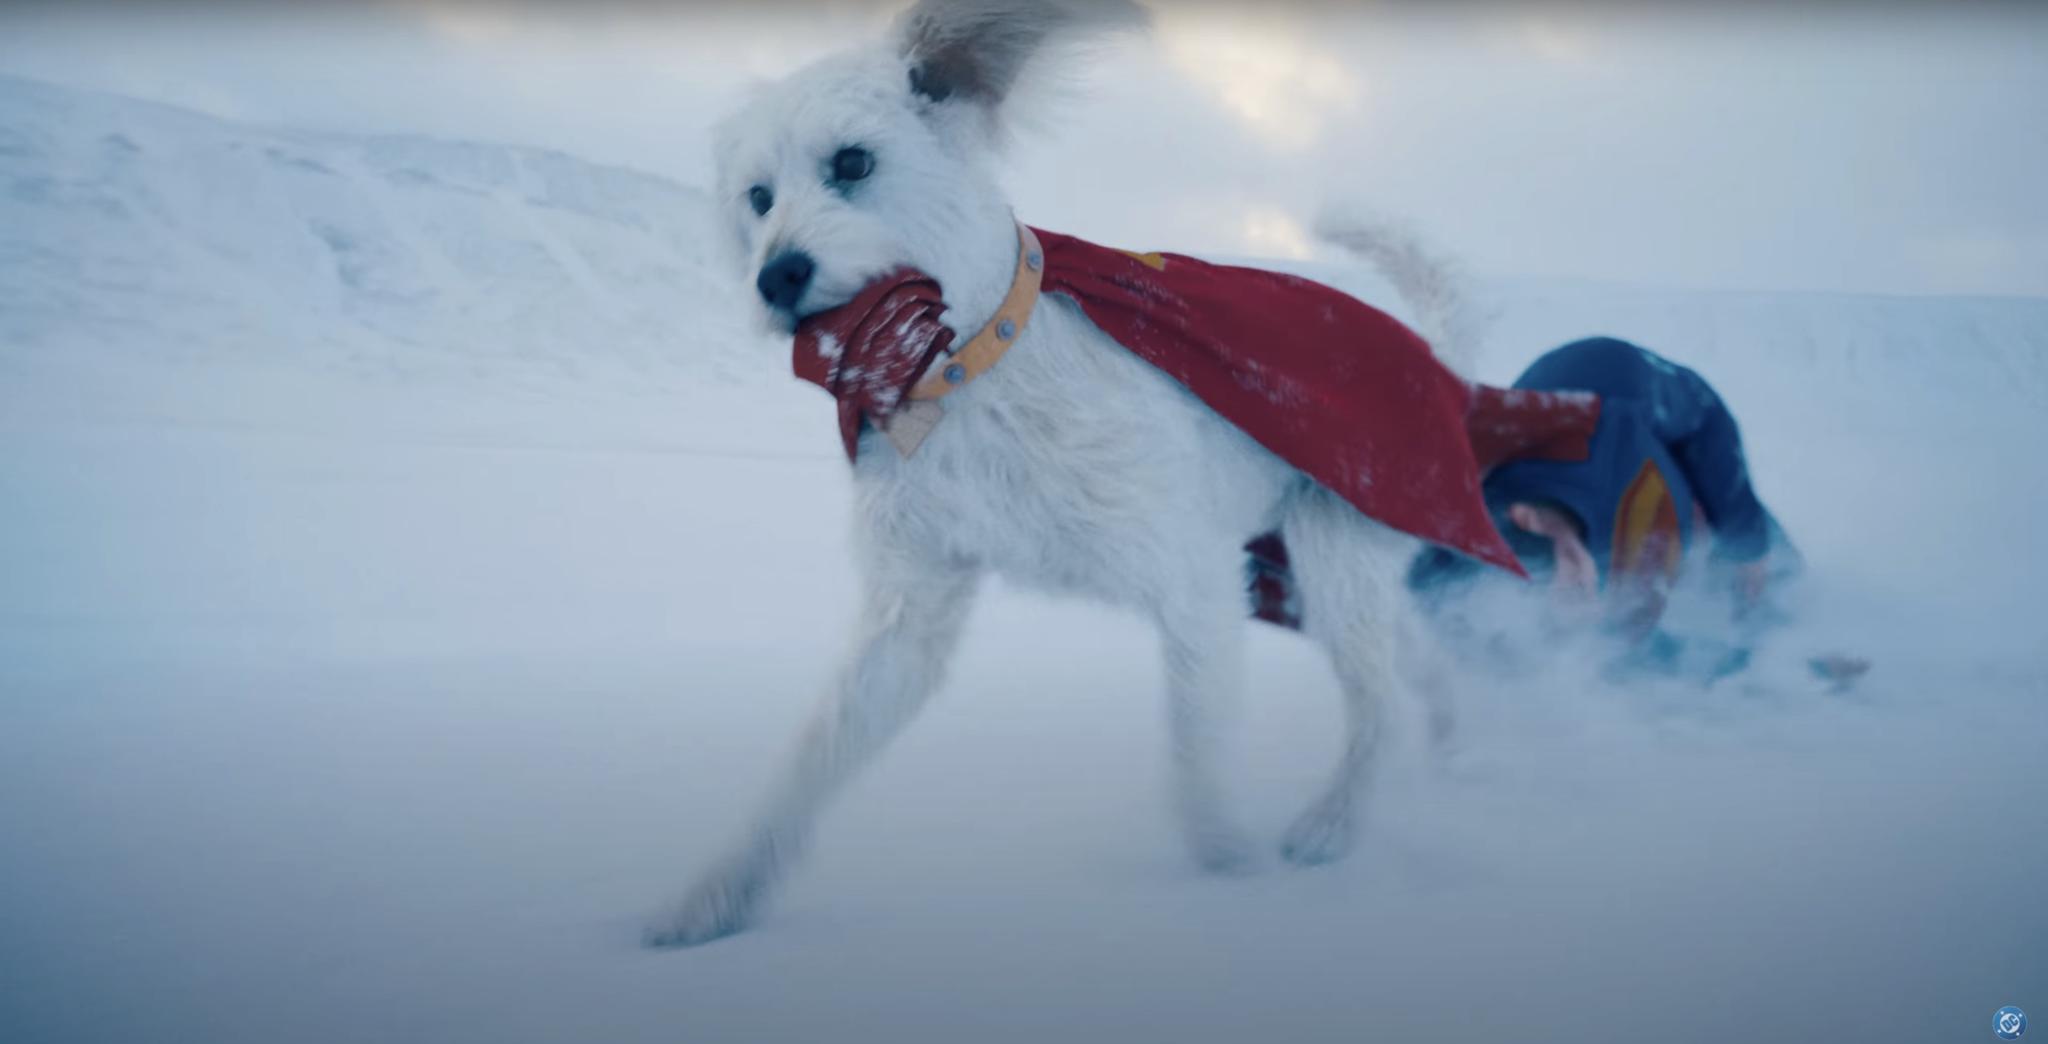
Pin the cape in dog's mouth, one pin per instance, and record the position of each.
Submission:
(871, 350)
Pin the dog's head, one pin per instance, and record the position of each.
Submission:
(882, 158)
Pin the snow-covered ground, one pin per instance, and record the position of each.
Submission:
(411, 570)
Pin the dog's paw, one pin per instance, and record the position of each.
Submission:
(716, 909)
(1224, 852)
(1323, 834)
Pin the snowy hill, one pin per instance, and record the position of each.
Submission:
(411, 569)
(130, 223)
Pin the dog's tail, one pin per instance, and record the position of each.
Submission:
(1431, 286)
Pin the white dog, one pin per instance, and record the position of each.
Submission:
(1072, 465)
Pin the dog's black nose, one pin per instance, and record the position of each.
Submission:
(782, 281)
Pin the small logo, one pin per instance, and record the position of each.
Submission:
(2010, 1023)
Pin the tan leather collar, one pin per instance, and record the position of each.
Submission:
(1003, 330)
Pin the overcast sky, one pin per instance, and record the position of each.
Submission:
(1825, 147)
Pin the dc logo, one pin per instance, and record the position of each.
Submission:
(2011, 1022)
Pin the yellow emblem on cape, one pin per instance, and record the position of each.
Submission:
(1153, 260)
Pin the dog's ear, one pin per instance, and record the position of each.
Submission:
(974, 50)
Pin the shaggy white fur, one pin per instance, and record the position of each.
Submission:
(1072, 465)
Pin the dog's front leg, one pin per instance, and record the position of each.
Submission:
(910, 622)
(1203, 637)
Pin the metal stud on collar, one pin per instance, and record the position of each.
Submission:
(1002, 331)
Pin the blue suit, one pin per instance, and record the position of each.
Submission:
(1664, 455)
(1665, 444)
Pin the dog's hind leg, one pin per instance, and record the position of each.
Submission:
(1202, 631)
(1426, 668)
(910, 623)
(1348, 569)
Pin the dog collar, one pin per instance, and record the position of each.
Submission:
(1002, 331)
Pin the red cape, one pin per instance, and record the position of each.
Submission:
(1338, 389)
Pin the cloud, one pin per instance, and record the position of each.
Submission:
(1264, 68)
(1272, 232)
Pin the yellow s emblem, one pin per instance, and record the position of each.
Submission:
(1646, 528)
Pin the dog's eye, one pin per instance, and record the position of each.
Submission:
(760, 198)
(852, 164)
